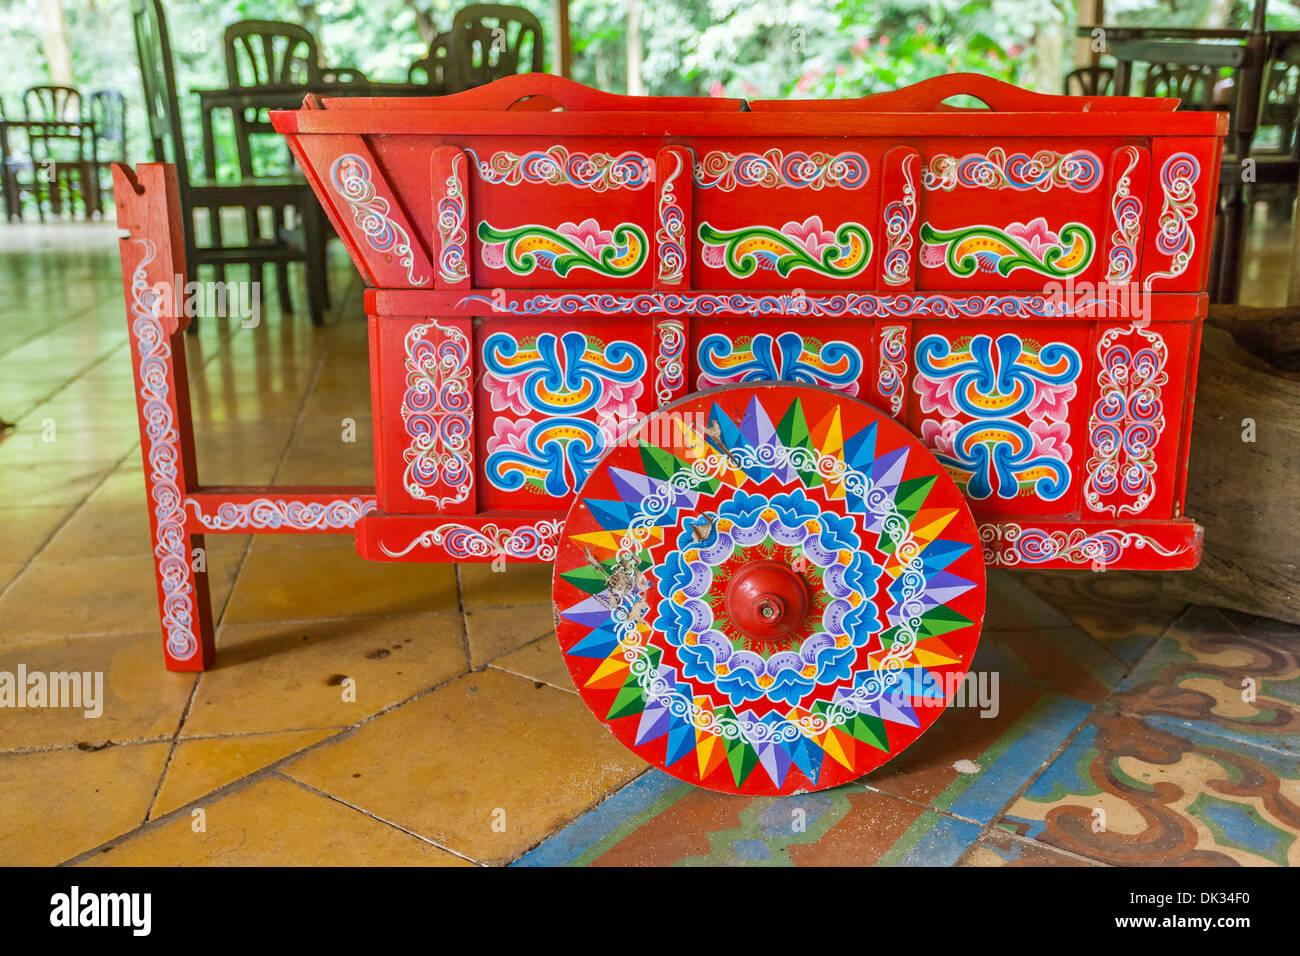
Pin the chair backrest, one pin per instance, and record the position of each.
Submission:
(1090, 81)
(158, 85)
(490, 40)
(60, 135)
(270, 53)
(262, 53)
(108, 113)
(341, 76)
(1280, 104)
(434, 68)
(1192, 85)
(56, 104)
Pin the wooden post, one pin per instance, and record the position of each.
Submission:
(566, 39)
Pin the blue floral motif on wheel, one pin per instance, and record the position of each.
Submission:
(833, 554)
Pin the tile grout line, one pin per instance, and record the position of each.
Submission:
(235, 786)
(378, 819)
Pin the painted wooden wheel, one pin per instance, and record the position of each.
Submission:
(768, 589)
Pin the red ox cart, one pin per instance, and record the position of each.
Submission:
(770, 384)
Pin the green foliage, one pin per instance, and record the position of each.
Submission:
(742, 48)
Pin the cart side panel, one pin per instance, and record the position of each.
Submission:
(552, 393)
(787, 213)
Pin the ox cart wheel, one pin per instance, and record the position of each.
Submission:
(768, 589)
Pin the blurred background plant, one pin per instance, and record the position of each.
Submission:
(753, 49)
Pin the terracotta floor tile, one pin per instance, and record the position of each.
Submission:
(274, 822)
(206, 764)
(447, 765)
(55, 598)
(47, 440)
(334, 582)
(140, 699)
(85, 798)
(26, 530)
(494, 632)
(8, 572)
(1012, 606)
(1124, 611)
(50, 483)
(1206, 675)
(1059, 660)
(520, 582)
(1128, 792)
(289, 676)
(540, 660)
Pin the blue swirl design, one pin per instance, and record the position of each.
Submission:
(787, 358)
(552, 448)
(564, 366)
(1007, 378)
(848, 619)
(993, 447)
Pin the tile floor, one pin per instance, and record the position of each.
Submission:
(1122, 735)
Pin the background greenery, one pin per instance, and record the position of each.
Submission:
(747, 48)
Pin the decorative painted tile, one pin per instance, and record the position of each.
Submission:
(658, 821)
(1000, 848)
(970, 765)
(1207, 675)
(1130, 792)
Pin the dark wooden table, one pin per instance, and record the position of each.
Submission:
(283, 98)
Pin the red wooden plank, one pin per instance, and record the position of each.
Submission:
(674, 179)
(451, 218)
(899, 196)
(153, 255)
(349, 179)
(1094, 546)
(489, 536)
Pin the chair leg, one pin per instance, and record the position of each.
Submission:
(282, 287)
(314, 263)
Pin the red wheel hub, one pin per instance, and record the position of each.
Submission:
(767, 600)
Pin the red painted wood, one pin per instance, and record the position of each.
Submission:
(1093, 546)
(674, 191)
(592, 172)
(896, 237)
(451, 217)
(424, 421)
(928, 95)
(153, 255)
(499, 536)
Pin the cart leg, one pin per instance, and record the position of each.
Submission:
(152, 250)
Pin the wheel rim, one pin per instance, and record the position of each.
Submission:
(768, 589)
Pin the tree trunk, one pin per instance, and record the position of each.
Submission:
(635, 87)
(54, 39)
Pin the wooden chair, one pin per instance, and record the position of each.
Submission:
(163, 118)
(1090, 81)
(58, 146)
(17, 170)
(489, 41)
(342, 76)
(434, 68)
(108, 142)
(261, 53)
